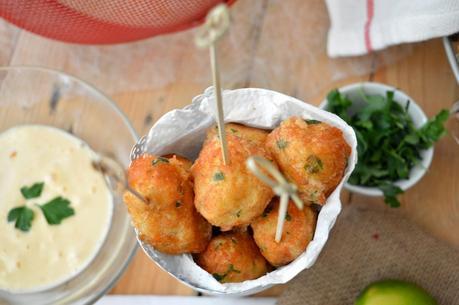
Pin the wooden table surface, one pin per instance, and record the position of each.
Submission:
(423, 72)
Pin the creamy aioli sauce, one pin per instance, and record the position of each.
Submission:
(48, 255)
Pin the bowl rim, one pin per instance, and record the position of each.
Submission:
(105, 97)
(111, 103)
(427, 155)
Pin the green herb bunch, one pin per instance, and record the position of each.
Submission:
(388, 143)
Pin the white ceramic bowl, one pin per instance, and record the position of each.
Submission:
(419, 118)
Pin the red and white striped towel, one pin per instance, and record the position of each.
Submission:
(362, 26)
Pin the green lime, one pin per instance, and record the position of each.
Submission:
(394, 292)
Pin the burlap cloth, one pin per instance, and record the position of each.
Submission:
(369, 245)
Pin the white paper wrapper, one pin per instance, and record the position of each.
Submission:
(182, 131)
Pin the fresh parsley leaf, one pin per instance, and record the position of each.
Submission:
(233, 130)
(14, 213)
(433, 130)
(57, 210)
(338, 104)
(412, 138)
(390, 194)
(388, 143)
(362, 144)
(375, 104)
(160, 159)
(218, 176)
(23, 217)
(33, 191)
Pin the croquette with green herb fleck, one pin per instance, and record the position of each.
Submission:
(298, 230)
(169, 221)
(254, 135)
(232, 257)
(311, 154)
(230, 195)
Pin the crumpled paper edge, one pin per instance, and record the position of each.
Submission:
(182, 131)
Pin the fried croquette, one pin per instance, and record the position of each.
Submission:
(298, 230)
(169, 222)
(311, 154)
(254, 135)
(181, 162)
(229, 195)
(232, 257)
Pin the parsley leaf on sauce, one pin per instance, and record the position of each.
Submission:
(33, 191)
(23, 217)
(56, 210)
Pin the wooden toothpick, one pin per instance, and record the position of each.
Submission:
(217, 23)
(116, 176)
(280, 186)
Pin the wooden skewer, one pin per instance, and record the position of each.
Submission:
(219, 99)
(116, 176)
(280, 186)
(216, 25)
(283, 206)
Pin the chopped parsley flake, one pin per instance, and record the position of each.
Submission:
(218, 176)
(313, 164)
(33, 191)
(281, 143)
(312, 122)
(160, 159)
(220, 277)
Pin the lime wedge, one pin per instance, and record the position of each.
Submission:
(394, 292)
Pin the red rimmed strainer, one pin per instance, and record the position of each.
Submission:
(105, 21)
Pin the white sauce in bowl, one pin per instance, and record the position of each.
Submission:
(48, 255)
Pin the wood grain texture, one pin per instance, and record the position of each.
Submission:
(424, 74)
(145, 277)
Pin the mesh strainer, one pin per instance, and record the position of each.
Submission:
(105, 21)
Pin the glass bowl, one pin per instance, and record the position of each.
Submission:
(33, 95)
